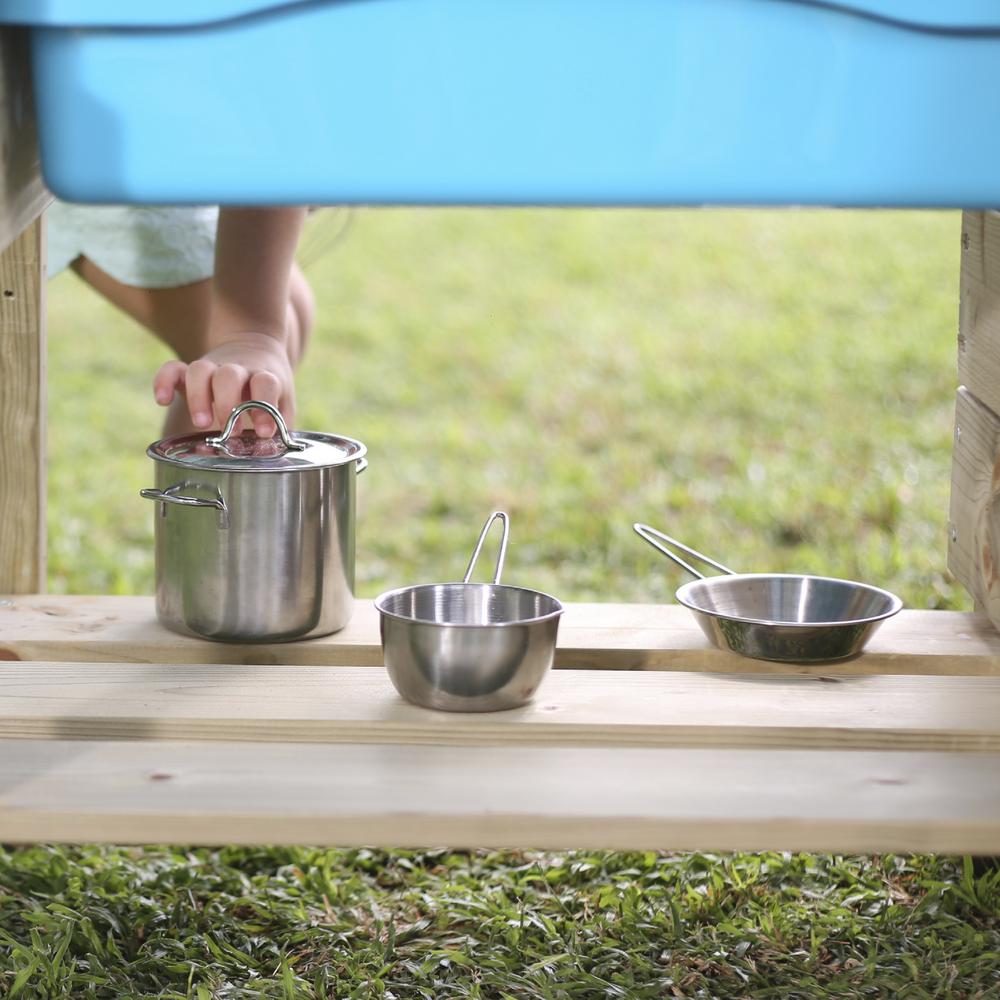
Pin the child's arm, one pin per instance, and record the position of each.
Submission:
(246, 356)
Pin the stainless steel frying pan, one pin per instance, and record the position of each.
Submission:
(778, 616)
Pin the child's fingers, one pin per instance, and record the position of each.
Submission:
(198, 388)
(287, 405)
(288, 408)
(168, 380)
(267, 387)
(228, 383)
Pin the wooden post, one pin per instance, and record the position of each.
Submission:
(22, 325)
(22, 413)
(974, 519)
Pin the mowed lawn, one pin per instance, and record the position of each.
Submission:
(775, 387)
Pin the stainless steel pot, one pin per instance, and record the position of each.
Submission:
(469, 647)
(778, 616)
(254, 536)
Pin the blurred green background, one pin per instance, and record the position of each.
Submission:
(774, 387)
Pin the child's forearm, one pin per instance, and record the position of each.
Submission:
(254, 251)
(245, 352)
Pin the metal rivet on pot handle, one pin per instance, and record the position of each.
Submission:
(497, 515)
(286, 439)
(170, 495)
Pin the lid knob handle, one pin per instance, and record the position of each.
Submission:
(286, 439)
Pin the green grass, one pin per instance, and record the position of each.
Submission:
(299, 923)
(775, 387)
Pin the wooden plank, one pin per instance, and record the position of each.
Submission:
(572, 709)
(974, 521)
(979, 307)
(974, 516)
(399, 796)
(598, 636)
(22, 413)
(22, 192)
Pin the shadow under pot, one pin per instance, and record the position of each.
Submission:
(255, 537)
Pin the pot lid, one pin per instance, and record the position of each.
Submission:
(246, 452)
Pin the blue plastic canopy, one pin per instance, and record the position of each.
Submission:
(868, 102)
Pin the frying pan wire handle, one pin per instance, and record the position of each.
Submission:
(497, 515)
(657, 538)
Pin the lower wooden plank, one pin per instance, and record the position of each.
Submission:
(599, 636)
(516, 797)
(573, 708)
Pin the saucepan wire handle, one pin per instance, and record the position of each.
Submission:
(497, 515)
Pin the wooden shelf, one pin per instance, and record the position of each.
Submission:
(573, 708)
(519, 797)
(591, 636)
(114, 729)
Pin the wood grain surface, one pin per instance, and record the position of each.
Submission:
(573, 708)
(22, 413)
(974, 514)
(591, 636)
(402, 796)
(22, 192)
(979, 307)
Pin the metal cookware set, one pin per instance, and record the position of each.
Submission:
(255, 542)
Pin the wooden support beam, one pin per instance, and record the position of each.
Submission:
(102, 629)
(974, 516)
(573, 708)
(973, 539)
(22, 192)
(487, 796)
(22, 413)
(22, 326)
(979, 308)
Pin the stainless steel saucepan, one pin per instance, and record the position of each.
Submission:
(778, 616)
(469, 647)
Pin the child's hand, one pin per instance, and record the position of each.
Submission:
(245, 366)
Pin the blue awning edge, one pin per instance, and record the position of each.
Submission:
(954, 17)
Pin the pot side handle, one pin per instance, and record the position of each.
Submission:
(169, 495)
(362, 465)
